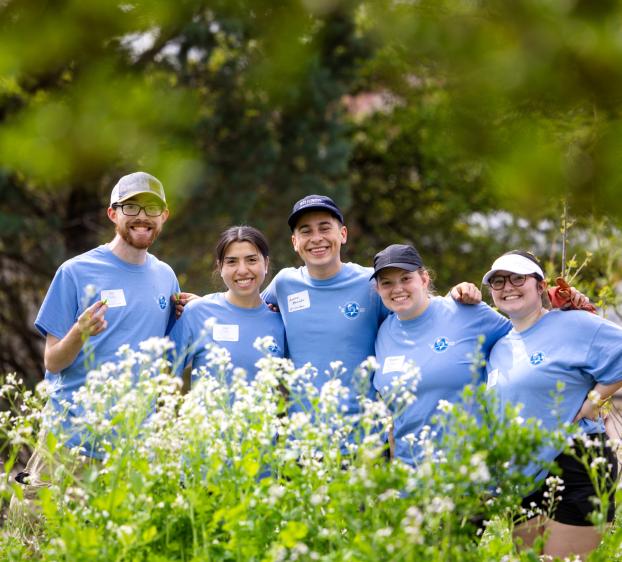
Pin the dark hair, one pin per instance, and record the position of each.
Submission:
(529, 256)
(241, 234)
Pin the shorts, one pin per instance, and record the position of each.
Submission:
(573, 504)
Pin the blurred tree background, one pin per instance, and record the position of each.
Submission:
(457, 125)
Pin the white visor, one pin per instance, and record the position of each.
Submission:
(514, 263)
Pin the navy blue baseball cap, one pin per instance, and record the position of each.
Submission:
(401, 256)
(313, 203)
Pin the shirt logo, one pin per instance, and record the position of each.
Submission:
(537, 357)
(162, 301)
(351, 309)
(441, 344)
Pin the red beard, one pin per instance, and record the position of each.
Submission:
(140, 241)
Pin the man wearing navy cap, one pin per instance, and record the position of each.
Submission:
(330, 308)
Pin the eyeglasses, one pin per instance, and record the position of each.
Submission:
(497, 282)
(133, 210)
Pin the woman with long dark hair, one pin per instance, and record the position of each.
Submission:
(235, 318)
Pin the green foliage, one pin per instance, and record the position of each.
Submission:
(531, 86)
(221, 474)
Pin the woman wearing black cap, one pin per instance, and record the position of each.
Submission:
(437, 334)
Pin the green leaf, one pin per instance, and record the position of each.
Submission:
(51, 442)
(293, 533)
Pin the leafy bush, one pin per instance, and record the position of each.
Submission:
(222, 473)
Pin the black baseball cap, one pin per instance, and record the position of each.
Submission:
(397, 255)
(313, 203)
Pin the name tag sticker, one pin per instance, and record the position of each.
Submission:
(393, 363)
(493, 377)
(226, 332)
(114, 297)
(298, 301)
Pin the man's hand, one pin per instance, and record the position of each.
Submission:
(568, 298)
(466, 293)
(60, 353)
(578, 299)
(92, 322)
(180, 300)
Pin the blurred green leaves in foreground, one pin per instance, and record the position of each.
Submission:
(459, 126)
(531, 88)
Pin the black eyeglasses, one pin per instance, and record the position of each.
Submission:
(133, 210)
(497, 282)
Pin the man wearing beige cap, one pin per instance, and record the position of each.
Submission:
(114, 294)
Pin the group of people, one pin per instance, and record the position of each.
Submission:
(328, 310)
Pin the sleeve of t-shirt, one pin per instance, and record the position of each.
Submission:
(285, 346)
(269, 293)
(383, 311)
(604, 356)
(172, 317)
(61, 306)
(181, 336)
(494, 326)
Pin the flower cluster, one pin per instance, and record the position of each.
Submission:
(267, 467)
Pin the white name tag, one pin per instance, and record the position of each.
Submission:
(226, 332)
(493, 376)
(114, 297)
(298, 301)
(393, 363)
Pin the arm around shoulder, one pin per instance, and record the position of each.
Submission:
(268, 295)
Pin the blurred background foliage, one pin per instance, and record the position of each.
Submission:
(457, 125)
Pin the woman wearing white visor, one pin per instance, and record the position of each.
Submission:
(545, 351)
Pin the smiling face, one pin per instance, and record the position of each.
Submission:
(317, 238)
(518, 302)
(403, 292)
(243, 269)
(141, 231)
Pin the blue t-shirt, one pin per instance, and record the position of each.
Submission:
(235, 329)
(328, 320)
(139, 308)
(573, 347)
(442, 342)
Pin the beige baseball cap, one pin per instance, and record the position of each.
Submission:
(133, 184)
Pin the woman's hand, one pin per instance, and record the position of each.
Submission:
(589, 410)
(180, 300)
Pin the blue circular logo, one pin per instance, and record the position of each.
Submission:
(537, 357)
(351, 310)
(441, 344)
(162, 301)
